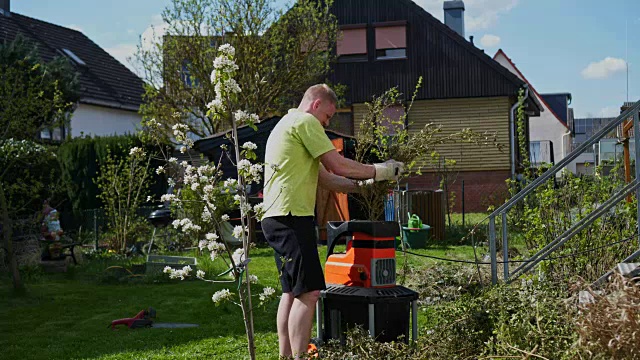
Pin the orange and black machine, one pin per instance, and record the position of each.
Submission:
(361, 284)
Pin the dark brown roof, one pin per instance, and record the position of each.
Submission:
(103, 81)
(451, 66)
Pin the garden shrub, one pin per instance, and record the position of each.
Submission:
(33, 177)
(80, 161)
(559, 204)
(506, 320)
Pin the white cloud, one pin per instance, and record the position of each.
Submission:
(479, 14)
(604, 69)
(74, 27)
(490, 41)
(125, 52)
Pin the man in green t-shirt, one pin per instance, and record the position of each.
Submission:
(304, 158)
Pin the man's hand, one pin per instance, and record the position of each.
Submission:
(389, 170)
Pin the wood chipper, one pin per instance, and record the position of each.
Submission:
(361, 285)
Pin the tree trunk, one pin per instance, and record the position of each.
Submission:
(247, 313)
(7, 231)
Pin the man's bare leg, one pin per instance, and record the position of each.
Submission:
(301, 321)
(283, 324)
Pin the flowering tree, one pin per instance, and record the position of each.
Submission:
(203, 188)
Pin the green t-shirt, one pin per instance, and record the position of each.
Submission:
(295, 146)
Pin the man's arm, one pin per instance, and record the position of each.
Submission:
(336, 183)
(342, 166)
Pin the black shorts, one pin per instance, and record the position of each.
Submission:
(296, 251)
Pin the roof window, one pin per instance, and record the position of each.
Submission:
(73, 57)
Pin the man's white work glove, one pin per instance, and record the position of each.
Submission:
(388, 170)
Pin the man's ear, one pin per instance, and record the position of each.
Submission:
(316, 104)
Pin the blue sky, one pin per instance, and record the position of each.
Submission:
(576, 46)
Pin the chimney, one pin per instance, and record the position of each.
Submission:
(454, 16)
(5, 7)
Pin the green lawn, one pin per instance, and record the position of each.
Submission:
(65, 316)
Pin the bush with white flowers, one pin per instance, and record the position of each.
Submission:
(204, 189)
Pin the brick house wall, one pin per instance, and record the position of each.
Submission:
(481, 188)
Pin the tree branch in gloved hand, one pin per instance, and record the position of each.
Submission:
(389, 170)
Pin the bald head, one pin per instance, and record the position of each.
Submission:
(319, 92)
(320, 101)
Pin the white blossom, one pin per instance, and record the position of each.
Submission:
(168, 197)
(215, 247)
(237, 231)
(136, 151)
(245, 117)
(175, 274)
(216, 105)
(200, 274)
(232, 87)
(267, 293)
(206, 215)
(202, 244)
(244, 165)
(221, 295)
(245, 208)
(253, 279)
(225, 217)
(238, 256)
(173, 160)
(149, 198)
(212, 236)
(230, 183)
(258, 209)
(227, 49)
(208, 189)
(237, 198)
(183, 149)
(160, 170)
(171, 182)
(249, 146)
(225, 64)
(187, 225)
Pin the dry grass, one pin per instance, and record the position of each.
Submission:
(610, 326)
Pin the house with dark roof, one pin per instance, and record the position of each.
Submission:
(110, 94)
(391, 43)
(550, 133)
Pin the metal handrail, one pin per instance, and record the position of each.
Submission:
(566, 160)
(634, 111)
(576, 228)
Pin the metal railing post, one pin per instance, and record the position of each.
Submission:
(492, 249)
(95, 230)
(505, 246)
(636, 141)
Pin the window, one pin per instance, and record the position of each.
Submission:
(188, 79)
(352, 43)
(54, 135)
(73, 57)
(391, 42)
(534, 152)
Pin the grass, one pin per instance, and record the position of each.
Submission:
(65, 316)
